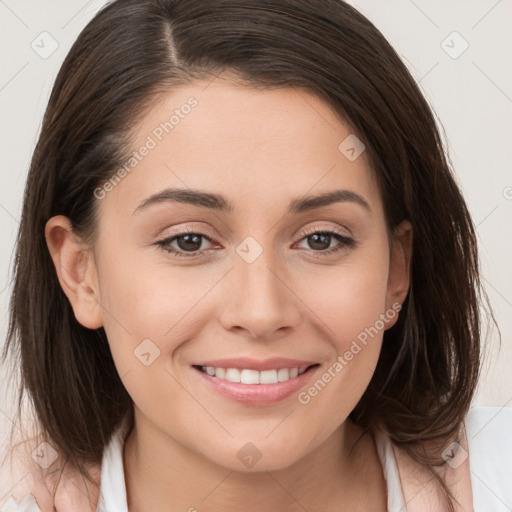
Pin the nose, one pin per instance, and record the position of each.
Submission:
(260, 301)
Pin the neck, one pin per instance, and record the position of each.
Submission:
(163, 475)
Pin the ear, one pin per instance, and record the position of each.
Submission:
(76, 271)
(399, 269)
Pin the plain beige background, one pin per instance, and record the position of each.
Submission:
(459, 51)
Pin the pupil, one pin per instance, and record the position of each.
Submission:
(320, 241)
(189, 242)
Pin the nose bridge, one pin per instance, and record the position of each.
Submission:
(259, 301)
(258, 280)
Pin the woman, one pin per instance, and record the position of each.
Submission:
(245, 274)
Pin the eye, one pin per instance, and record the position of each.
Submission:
(195, 244)
(186, 244)
(321, 241)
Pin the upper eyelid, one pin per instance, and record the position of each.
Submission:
(307, 231)
(310, 231)
(209, 231)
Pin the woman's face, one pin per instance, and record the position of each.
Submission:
(206, 256)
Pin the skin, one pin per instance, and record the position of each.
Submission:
(58, 486)
(260, 150)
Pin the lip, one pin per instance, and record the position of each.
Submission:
(256, 394)
(253, 364)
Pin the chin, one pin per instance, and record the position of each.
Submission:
(256, 456)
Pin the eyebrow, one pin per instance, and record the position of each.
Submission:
(218, 202)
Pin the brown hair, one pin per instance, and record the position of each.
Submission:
(134, 50)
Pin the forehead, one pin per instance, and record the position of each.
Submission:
(252, 145)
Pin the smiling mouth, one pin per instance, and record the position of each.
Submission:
(255, 377)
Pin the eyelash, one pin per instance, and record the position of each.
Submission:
(345, 242)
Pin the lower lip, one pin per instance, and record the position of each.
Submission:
(257, 394)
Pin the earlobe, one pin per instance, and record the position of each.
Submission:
(75, 269)
(399, 267)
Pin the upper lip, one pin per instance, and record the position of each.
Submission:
(255, 364)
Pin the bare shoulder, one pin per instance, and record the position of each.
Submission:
(33, 468)
(477, 468)
(27, 468)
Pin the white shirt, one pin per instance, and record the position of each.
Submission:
(489, 434)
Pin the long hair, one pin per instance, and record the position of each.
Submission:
(134, 50)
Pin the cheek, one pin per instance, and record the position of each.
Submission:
(146, 300)
(350, 297)
(349, 302)
(351, 317)
(149, 318)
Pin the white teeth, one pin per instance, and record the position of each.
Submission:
(247, 376)
(250, 377)
(268, 377)
(283, 374)
(233, 375)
